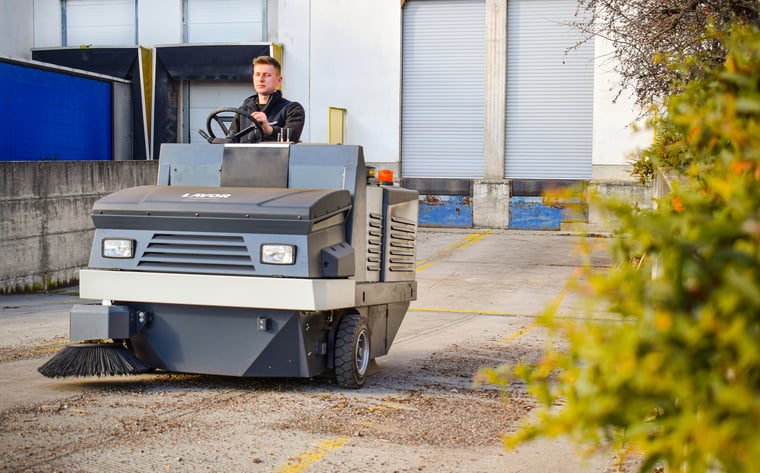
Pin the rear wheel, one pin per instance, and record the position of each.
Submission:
(352, 351)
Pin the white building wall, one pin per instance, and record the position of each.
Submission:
(345, 53)
(293, 33)
(615, 138)
(47, 24)
(348, 53)
(16, 32)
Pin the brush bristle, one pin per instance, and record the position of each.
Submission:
(92, 359)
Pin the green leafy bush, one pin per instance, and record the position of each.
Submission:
(673, 371)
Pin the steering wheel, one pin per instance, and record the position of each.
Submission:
(223, 117)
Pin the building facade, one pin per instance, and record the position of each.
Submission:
(481, 105)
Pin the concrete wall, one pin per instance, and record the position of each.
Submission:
(599, 219)
(45, 217)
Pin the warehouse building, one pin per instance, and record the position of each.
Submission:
(480, 105)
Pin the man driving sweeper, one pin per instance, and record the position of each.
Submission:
(276, 115)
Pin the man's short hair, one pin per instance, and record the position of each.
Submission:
(268, 60)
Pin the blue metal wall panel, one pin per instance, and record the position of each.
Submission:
(49, 115)
(539, 213)
(445, 210)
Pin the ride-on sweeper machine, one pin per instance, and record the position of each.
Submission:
(253, 260)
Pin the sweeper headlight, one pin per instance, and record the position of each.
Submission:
(278, 254)
(118, 248)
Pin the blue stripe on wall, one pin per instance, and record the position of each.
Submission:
(49, 115)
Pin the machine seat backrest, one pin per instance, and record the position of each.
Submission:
(255, 166)
(326, 167)
(197, 164)
(295, 166)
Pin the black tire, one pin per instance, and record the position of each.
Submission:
(352, 351)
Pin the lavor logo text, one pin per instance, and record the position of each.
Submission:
(188, 195)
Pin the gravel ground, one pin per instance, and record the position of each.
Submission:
(438, 408)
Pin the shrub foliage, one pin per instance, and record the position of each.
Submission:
(673, 369)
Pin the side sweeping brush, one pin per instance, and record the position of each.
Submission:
(93, 359)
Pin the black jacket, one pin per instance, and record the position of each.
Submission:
(281, 113)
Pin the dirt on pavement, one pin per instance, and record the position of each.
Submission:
(420, 409)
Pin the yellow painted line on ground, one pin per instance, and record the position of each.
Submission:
(512, 337)
(478, 236)
(304, 461)
(426, 263)
(461, 244)
(599, 317)
(466, 311)
(519, 334)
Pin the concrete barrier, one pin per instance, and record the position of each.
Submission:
(45, 226)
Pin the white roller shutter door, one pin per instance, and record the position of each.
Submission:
(549, 93)
(100, 22)
(442, 89)
(225, 21)
(220, 21)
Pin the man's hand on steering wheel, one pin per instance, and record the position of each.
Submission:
(263, 121)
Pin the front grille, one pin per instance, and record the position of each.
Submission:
(205, 254)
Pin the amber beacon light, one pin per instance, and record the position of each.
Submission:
(385, 177)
